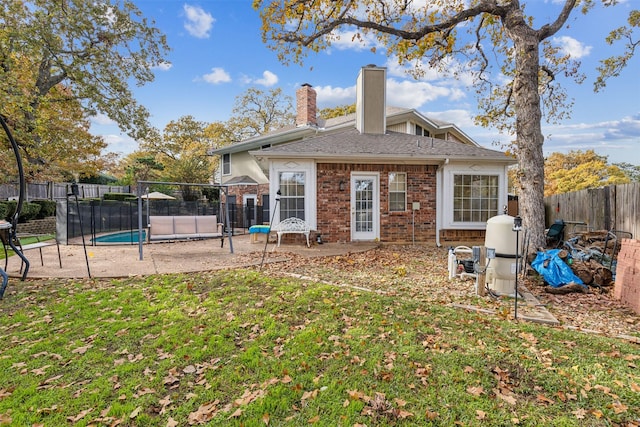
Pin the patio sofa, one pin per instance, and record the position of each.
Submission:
(185, 227)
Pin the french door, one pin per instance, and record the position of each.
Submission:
(365, 207)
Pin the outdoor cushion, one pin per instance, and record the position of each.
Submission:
(184, 225)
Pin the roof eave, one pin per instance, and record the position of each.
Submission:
(436, 158)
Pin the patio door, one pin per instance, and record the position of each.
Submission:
(365, 207)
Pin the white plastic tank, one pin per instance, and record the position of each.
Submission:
(501, 272)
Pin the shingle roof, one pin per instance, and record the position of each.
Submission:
(351, 144)
(241, 180)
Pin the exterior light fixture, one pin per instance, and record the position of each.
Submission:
(341, 185)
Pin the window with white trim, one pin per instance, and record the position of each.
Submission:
(226, 164)
(397, 191)
(292, 186)
(475, 197)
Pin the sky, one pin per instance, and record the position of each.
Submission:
(217, 54)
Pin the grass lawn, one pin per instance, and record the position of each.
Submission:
(242, 348)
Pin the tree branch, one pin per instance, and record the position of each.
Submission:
(548, 30)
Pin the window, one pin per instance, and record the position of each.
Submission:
(475, 197)
(226, 164)
(397, 192)
(420, 131)
(292, 195)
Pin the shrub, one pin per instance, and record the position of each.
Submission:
(119, 196)
(47, 208)
(29, 211)
(3, 210)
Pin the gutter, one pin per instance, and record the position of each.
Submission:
(439, 200)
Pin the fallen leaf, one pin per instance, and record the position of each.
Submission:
(80, 416)
(135, 413)
(81, 350)
(402, 414)
(237, 413)
(481, 415)
(475, 391)
(431, 415)
(544, 399)
(314, 419)
(619, 408)
(579, 413)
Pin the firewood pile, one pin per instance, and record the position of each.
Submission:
(591, 257)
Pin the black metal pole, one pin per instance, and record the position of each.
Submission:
(516, 284)
(517, 226)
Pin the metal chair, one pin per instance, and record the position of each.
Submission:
(555, 234)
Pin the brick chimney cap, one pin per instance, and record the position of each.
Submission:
(306, 84)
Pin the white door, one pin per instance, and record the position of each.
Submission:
(365, 207)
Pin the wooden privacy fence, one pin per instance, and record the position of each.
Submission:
(615, 207)
(59, 190)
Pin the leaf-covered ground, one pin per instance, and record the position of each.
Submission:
(420, 272)
(380, 345)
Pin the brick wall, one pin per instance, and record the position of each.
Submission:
(462, 237)
(627, 286)
(39, 226)
(334, 218)
(240, 190)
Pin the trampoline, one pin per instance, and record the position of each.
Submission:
(121, 237)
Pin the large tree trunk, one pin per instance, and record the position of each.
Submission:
(528, 129)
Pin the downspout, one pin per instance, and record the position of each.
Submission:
(439, 200)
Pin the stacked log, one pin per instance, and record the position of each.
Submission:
(592, 272)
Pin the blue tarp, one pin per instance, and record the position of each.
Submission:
(554, 270)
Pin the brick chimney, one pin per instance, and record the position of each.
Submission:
(306, 106)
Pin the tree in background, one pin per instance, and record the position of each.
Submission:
(579, 170)
(73, 58)
(182, 151)
(339, 111)
(256, 112)
(631, 171)
(138, 166)
(512, 92)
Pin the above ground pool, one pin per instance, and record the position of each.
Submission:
(130, 237)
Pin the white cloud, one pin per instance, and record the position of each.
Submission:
(120, 144)
(216, 76)
(329, 96)
(349, 40)
(400, 93)
(101, 119)
(572, 47)
(199, 22)
(163, 66)
(268, 79)
(412, 94)
(618, 139)
(461, 118)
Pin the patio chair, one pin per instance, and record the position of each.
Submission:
(555, 234)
